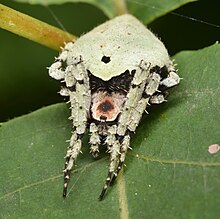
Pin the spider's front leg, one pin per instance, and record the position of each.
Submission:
(128, 120)
(151, 84)
(114, 150)
(77, 85)
(152, 94)
(142, 88)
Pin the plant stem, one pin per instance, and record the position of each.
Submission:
(120, 7)
(33, 29)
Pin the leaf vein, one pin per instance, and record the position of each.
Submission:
(170, 161)
(123, 205)
(47, 180)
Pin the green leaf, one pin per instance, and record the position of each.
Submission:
(145, 10)
(149, 10)
(168, 174)
(105, 5)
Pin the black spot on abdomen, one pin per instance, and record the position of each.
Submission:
(106, 59)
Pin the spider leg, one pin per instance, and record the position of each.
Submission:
(157, 98)
(113, 149)
(168, 80)
(77, 84)
(171, 80)
(151, 94)
(94, 140)
(123, 149)
(135, 117)
(134, 95)
(117, 143)
(144, 91)
(71, 155)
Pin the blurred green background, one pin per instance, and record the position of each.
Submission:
(24, 82)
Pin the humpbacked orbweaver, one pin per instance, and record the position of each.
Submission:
(111, 75)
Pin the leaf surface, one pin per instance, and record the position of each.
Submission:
(168, 174)
(145, 10)
(149, 10)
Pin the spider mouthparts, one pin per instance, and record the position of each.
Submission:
(103, 119)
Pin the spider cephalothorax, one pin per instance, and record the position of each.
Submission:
(111, 74)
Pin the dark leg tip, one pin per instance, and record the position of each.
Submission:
(112, 180)
(101, 197)
(64, 194)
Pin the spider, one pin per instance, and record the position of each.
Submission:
(111, 75)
